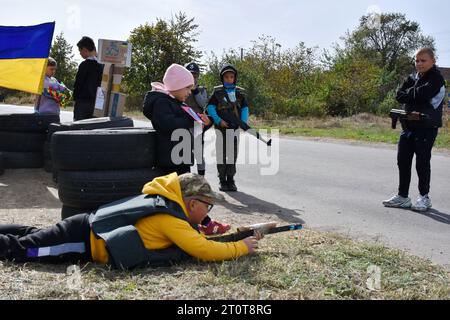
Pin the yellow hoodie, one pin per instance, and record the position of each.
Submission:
(161, 231)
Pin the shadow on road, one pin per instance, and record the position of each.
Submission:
(438, 216)
(251, 204)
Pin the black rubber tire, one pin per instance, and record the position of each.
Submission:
(91, 124)
(48, 163)
(125, 128)
(22, 141)
(67, 212)
(23, 160)
(55, 176)
(2, 169)
(84, 189)
(104, 150)
(27, 122)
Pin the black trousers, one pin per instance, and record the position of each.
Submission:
(67, 241)
(226, 153)
(83, 109)
(199, 155)
(419, 142)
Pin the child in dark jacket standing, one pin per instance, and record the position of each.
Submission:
(88, 79)
(228, 107)
(422, 93)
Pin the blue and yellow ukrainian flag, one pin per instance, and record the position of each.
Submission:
(23, 56)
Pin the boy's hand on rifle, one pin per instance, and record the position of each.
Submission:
(259, 235)
(205, 119)
(414, 116)
(252, 242)
(223, 124)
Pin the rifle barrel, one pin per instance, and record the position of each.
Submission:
(238, 236)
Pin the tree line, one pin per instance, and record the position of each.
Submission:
(359, 74)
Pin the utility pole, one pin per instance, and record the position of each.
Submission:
(242, 54)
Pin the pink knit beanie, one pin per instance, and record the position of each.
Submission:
(177, 77)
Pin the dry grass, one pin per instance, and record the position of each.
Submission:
(302, 265)
(21, 99)
(305, 265)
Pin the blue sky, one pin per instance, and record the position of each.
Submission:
(230, 23)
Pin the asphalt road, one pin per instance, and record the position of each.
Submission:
(339, 187)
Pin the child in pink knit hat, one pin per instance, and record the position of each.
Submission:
(176, 82)
(164, 107)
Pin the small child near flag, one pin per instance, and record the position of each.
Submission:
(55, 94)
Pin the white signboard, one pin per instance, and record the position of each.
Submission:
(114, 52)
(100, 99)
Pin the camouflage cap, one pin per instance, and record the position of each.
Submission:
(195, 185)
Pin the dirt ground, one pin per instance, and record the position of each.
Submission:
(30, 197)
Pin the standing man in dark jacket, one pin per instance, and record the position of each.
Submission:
(422, 93)
(88, 79)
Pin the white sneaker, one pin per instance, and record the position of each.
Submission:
(422, 204)
(398, 202)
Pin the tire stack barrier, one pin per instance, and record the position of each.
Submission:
(88, 124)
(102, 166)
(22, 138)
(2, 170)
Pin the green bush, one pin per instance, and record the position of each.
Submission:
(387, 104)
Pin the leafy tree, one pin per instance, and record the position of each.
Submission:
(155, 47)
(373, 60)
(275, 80)
(351, 87)
(390, 44)
(61, 51)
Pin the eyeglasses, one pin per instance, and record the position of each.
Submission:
(210, 205)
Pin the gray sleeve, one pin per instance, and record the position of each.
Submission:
(202, 98)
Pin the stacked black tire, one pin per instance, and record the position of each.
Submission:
(89, 124)
(102, 166)
(2, 169)
(22, 138)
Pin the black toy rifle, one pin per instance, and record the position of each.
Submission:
(234, 123)
(402, 115)
(264, 228)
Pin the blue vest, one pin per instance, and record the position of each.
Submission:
(114, 223)
(226, 109)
